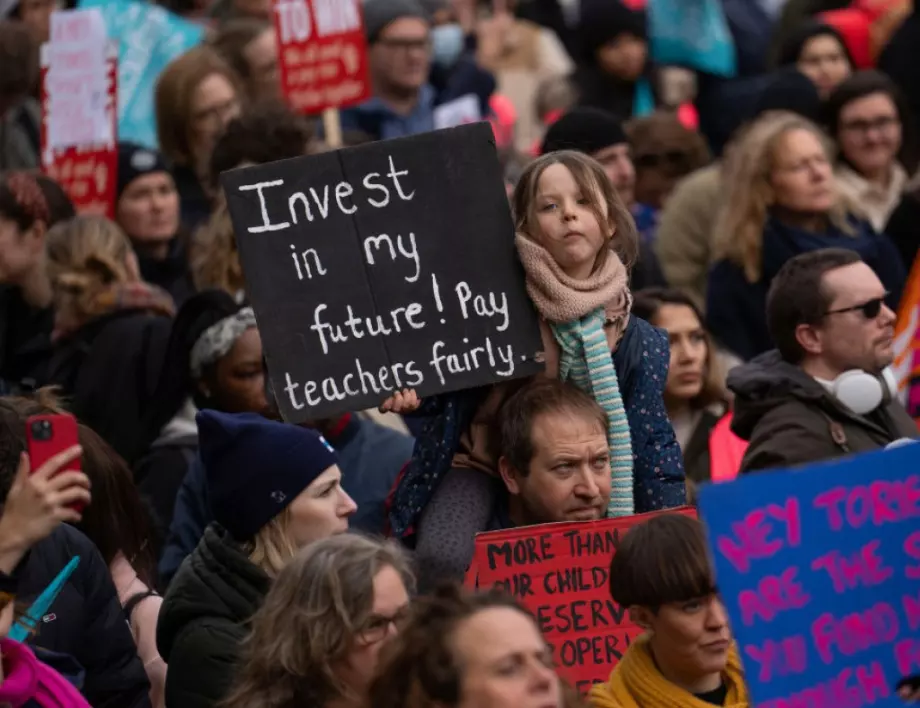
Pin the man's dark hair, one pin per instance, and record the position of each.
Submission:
(541, 396)
(660, 561)
(797, 296)
(264, 133)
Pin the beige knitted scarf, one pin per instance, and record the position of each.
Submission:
(560, 298)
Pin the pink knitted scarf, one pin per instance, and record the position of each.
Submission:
(560, 298)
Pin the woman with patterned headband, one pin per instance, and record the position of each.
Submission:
(214, 360)
(29, 206)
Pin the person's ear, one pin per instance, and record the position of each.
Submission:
(509, 475)
(641, 617)
(809, 338)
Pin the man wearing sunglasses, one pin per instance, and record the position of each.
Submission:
(825, 391)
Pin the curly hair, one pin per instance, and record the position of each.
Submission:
(419, 668)
(310, 620)
(86, 255)
(263, 133)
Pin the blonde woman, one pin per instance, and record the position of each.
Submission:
(317, 638)
(110, 329)
(781, 200)
(273, 489)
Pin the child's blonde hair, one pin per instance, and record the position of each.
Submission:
(591, 179)
(86, 256)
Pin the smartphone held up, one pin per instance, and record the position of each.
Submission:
(50, 435)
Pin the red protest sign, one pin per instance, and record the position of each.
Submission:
(323, 53)
(560, 572)
(79, 101)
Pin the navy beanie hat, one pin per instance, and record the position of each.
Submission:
(255, 467)
(136, 161)
(587, 130)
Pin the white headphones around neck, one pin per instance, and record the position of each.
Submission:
(861, 392)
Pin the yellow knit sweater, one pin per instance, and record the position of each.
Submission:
(636, 683)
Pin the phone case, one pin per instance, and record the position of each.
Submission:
(48, 435)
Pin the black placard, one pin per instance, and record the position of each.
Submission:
(390, 265)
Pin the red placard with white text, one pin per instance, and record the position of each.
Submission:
(561, 572)
(323, 53)
(79, 114)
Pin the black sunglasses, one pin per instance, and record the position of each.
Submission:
(870, 308)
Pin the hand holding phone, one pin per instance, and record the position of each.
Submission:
(48, 436)
(38, 502)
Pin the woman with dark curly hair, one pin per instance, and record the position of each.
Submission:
(461, 650)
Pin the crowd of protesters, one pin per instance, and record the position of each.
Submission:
(718, 277)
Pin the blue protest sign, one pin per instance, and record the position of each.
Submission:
(819, 569)
(149, 37)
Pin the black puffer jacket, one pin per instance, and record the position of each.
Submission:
(109, 369)
(86, 620)
(204, 619)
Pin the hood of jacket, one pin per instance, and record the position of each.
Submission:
(766, 382)
(782, 242)
(216, 582)
(181, 428)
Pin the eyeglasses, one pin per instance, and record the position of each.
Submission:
(880, 124)
(377, 626)
(407, 45)
(870, 308)
(216, 115)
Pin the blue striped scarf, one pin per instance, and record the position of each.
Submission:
(586, 361)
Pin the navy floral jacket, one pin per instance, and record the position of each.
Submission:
(641, 361)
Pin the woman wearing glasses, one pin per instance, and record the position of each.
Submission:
(317, 638)
(781, 200)
(868, 117)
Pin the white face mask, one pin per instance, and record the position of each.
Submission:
(446, 44)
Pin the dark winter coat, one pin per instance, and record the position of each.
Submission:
(109, 369)
(172, 273)
(86, 621)
(204, 620)
(790, 419)
(25, 343)
(736, 308)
